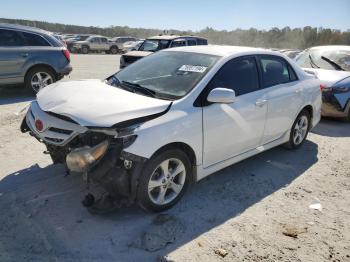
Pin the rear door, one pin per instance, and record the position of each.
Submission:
(13, 55)
(232, 129)
(284, 95)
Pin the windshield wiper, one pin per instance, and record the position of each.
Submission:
(334, 64)
(312, 63)
(140, 88)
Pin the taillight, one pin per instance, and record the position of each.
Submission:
(66, 54)
(322, 87)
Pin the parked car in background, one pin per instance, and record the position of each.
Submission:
(60, 38)
(331, 64)
(96, 43)
(70, 41)
(156, 43)
(121, 40)
(292, 54)
(31, 56)
(131, 46)
(173, 118)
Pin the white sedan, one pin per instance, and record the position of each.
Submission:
(175, 117)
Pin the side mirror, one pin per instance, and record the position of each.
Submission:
(221, 95)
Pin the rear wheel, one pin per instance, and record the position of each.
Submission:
(85, 50)
(164, 180)
(39, 77)
(299, 130)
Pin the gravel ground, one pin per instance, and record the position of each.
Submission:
(256, 210)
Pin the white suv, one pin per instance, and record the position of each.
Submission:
(174, 118)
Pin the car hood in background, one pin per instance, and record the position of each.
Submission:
(138, 53)
(94, 103)
(328, 77)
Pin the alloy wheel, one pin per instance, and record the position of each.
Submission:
(300, 129)
(166, 181)
(40, 80)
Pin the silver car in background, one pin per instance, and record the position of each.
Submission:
(31, 56)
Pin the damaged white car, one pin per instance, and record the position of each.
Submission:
(173, 118)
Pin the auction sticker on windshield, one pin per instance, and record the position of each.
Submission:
(193, 68)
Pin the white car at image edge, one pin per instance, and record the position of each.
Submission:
(173, 118)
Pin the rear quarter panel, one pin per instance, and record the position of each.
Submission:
(51, 56)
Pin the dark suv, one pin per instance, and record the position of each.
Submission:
(31, 56)
(156, 43)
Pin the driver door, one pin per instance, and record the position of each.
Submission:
(233, 129)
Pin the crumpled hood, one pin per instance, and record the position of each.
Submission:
(138, 53)
(328, 77)
(94, 103)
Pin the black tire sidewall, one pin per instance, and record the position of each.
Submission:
(291, 143)
(142, 191)
(85, 48)
(114, 50)
(31, 72)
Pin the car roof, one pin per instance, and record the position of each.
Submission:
(24, 28)
(222, 50)
(171, 37)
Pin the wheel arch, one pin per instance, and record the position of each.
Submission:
(41, 65)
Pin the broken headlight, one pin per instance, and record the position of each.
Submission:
(79, 159)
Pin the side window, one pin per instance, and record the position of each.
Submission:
(276, 71)
(178, 42)
(103, 40)
(239, 74)
(34, 40)
(191, 42)
(201, 41)
(94, 40)
(10, 38)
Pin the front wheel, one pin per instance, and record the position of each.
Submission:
(85, 50)
(164, 180)
(299, 130)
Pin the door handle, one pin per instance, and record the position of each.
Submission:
(261, 102)
(24, 54)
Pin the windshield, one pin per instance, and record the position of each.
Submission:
(154, 45)
(168, 75)
(317, 58)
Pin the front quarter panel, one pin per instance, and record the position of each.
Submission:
(178, 125)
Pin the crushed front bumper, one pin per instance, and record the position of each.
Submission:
(115, 171)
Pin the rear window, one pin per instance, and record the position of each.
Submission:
(34, 40)
(10, 38)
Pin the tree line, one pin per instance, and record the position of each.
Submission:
(296, 38)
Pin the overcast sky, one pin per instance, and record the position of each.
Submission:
(185, 14)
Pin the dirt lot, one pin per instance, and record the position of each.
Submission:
(257, 210)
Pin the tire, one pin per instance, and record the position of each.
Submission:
(113, 50)
(85, 49)
(298, 135)
(163, 184)
(39, 77)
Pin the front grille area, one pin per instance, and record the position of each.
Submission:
(55, 140)
(58, 130)
(61, 131)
